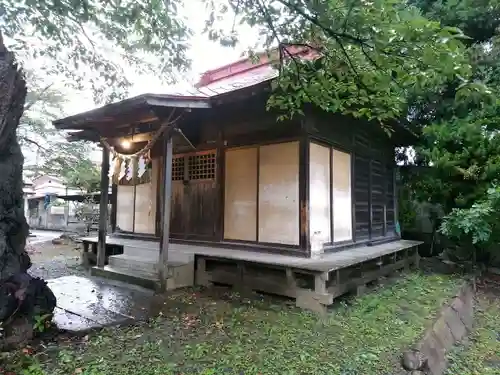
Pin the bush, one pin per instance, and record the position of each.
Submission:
(474, 232)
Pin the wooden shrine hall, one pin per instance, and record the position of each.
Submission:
(211, 188)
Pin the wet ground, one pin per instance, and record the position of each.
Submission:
(51, 261)
(85, 303)
(42, 236)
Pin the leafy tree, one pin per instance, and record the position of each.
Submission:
(43, 104)
(384, 42)
(373, 55)
(53, 153)
(476, 229)
(73, 163)
(460, 133)
(79, 38)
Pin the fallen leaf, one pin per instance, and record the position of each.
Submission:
(27, 351)
(79, 370)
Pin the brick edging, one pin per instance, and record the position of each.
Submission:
(452, 325)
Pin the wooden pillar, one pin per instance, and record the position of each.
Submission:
(66, 214)
(397, 227)
(167, 198)
(304, 238)
(370, 205)
(103, 208)
(114, 205)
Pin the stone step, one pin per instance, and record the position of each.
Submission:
(136, 250)
(127, 276)
(139, 265)
(153, 253)
(134, 260)
(180, 275)
(180, 272)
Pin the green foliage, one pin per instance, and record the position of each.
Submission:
(43, 104)
(72, 161)
(201, 334)
(465, 154)
(83, 37)
(372, 56)
(479, 19)
(42, 322)
(53, 154)
(478, 226)
(459, 127)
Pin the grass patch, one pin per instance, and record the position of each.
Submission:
(199, 333)
(481, 354)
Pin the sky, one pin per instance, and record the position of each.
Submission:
(204, 54)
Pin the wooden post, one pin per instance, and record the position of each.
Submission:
(103, 208)
(114, 202)
(304, 204)
(167, 197)
(66, 211)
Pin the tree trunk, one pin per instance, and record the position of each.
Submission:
(23, 299)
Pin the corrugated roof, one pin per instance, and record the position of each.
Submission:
(243, 73)
(235, 82)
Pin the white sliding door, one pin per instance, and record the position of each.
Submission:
(125, 208)
(320, 225)
(341, 194)
(240, 195)
(279, 193)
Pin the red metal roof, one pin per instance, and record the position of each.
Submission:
(243, 73)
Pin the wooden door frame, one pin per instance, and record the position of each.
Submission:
(218, 186)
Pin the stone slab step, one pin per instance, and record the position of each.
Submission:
(180, 273)
(141, 250)
(141, 266)
(146, 262)
(126, 276)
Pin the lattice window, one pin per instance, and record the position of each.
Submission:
(201, 167)
(178, 168)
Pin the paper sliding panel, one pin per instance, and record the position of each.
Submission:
(240, 197)
(319, 195)
(341, 183)
(145, 203)
(279, 193)
(144, 213)
(125, 208)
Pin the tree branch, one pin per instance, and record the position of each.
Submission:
(28, 106)
(332, 33)
(26, 139)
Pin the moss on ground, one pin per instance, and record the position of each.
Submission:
(480, 355)
(199, 333)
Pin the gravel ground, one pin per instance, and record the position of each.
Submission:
(56, 268)
(52, 261)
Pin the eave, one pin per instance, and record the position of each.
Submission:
(142, 105)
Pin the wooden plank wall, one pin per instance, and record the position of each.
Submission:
(373, 187)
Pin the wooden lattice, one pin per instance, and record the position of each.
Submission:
(201, 167)
(178, 168)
